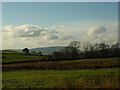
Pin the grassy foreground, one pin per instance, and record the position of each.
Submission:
(84, 78)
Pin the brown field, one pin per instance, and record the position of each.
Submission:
(63, 65)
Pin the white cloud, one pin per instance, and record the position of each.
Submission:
(24, 30)
(33, 36)
(30, 31)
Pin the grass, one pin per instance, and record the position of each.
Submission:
(84, 78)
(83, 73)
(12, 56)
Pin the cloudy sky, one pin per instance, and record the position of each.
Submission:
(28, 24)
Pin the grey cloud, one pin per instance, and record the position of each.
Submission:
(100, 30)
(30, 31)
(97, 34)
(96, 30)
(67, 37)
(53, 37)
(53, 31)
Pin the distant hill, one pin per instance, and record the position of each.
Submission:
(16, 50)
(44, 50)
(48, 50)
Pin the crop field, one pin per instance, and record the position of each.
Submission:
(84, 78)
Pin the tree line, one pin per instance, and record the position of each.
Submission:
(77, 50)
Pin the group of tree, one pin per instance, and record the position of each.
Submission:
(101, 50)
(70, 52)
(77, 50)
(26, 51)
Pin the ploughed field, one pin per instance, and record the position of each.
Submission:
(83, 73)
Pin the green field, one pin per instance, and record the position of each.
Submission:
(83, 73)
(84, 78)
(12, 56)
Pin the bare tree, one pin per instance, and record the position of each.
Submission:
(86, 46)
(74, 48)
(75, 44)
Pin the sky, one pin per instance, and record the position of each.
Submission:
(49, 13)
(43, 24)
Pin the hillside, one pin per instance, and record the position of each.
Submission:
(13, 56)
(44, 50)
(48, 50)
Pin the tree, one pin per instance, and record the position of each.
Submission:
(69, 52)
(95, 50)
(57, 55)
(115, 49)
(115, 46)
(75, 44)
(26, 50)
(33, 52)
(74, 48)
(40, 53)
(86, 46)
(96, 46)
(104, 49)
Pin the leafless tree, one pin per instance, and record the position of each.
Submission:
(75, 44)
(74, 48)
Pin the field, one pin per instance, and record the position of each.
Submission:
(65, 65)
(84, 78)
(12, 56)
(83, 73)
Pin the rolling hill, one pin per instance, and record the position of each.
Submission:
(44, 50)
